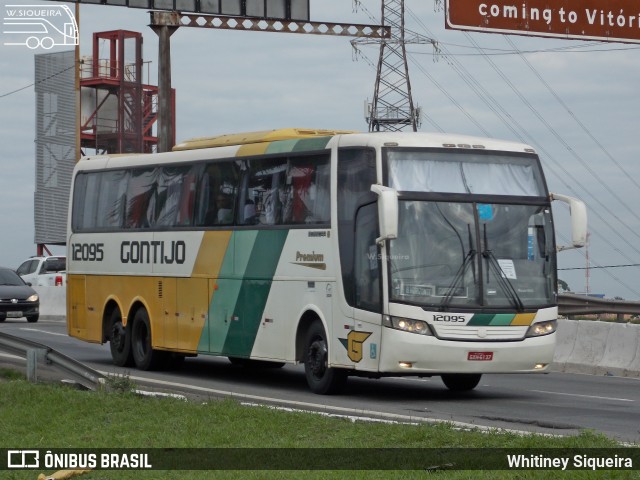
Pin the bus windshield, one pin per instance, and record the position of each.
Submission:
(471, 253)
(451, 255)
(474, 172)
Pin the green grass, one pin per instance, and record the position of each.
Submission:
(52, 416)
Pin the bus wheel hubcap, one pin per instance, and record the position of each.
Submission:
(118, 337)
(318, 358)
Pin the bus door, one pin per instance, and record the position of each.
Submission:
(364, 345)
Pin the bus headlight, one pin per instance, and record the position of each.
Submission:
(542, 328)
(33, 298)
(407, 325)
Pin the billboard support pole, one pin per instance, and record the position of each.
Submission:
(163, 28)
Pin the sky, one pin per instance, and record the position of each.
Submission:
(575, 102)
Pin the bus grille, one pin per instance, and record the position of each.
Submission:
(480, 333)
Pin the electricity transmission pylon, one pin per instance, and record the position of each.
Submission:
(392, 108)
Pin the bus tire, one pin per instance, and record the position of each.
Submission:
(119, 340)
(321, 379)
(144, 356)
(461, 382)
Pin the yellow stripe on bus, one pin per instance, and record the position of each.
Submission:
(523, 319)
(212, 250)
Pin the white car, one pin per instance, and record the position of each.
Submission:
(44, 271)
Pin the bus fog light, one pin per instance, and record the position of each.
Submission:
(407, 325)
(542, 328)
(540, 366)
(406, 365)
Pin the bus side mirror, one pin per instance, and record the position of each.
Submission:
(387, 212)
(578, 211)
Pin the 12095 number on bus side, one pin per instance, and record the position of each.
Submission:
(87, 252)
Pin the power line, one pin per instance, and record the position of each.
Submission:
(38, 82)
(602, 266)
(573, 115)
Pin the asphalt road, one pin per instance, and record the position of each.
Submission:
(555, 403)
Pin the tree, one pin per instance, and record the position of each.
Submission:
(563, 285)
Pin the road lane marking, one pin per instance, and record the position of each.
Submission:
(585, 396)
(44, 331)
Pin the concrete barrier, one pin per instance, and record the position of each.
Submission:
(53, 302)
(566, 341)
(621, 349)
(598, 348)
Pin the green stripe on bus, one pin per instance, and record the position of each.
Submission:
(491, 319)
(261, 263)
(222, 304)
(480, 319)
(502, 319)
(305, 144)
(225, 297)
(284, 146)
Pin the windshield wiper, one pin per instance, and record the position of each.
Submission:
(451, 289)
(504, 282)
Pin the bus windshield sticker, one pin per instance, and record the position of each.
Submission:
(485, 212)
(508, 268)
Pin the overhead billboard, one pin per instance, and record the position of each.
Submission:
(604, 20)
(276, 9)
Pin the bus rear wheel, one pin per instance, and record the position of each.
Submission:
(119, 341)
(144, 356)
(321, 378)
(461, 382)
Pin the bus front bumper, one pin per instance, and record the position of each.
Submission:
(406, 353)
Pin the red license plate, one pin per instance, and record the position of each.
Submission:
(480, 356)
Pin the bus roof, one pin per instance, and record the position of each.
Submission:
(255, 137)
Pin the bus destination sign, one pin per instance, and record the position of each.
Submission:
(613, 20)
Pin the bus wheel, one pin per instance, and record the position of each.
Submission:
(145, 357)
(462, 382)
(119, 341)
(321, 379)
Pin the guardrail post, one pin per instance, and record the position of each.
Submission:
(32, 365)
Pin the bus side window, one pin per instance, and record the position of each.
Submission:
(168, 196)
(309, 199)
(187, 199)
(81, 215)
(142, 186)
(111, 199)
(223, 180)
(261, 194)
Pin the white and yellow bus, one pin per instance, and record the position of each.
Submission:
(371, 254)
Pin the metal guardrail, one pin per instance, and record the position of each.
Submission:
(572, 304)
(35, 352)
